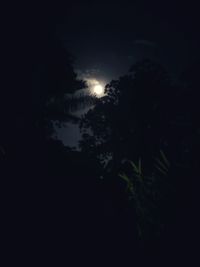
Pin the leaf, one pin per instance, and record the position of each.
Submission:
(162, 171)
(129, 183)
(165, 158)
(162, 164)
(136, 169)
(124, 177)
(139, 166)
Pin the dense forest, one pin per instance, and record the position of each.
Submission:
(130, 193)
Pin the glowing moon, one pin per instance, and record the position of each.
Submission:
(95, 87)
(98, 89)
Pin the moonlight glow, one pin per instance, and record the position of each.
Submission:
(98, 89)
(95, 87)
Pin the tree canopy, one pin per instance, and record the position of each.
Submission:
(131, 120)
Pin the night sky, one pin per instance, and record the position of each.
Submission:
(107, 37)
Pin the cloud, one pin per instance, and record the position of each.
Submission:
(92, 82)
(92, 78)
(88, 73)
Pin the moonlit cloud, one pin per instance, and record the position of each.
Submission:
(95, 86)
(92, 79)
(92, 82)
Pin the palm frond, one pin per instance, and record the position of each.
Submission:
(165, 158)
(162, 163)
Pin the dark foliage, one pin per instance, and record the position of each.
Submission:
(142, 113)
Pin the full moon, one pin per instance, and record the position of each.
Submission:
(98, 89)
(95, 87)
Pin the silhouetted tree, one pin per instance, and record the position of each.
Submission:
(39, 176)
(130, 121)
(141, 113)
